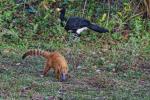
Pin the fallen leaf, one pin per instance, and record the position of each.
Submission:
(50, 98)
(126, 34)
(37, 97)
(78, 67)
(18, 64)
(98, 70)
(24, 91)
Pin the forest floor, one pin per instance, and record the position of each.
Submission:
(99, 69)
(107, 66)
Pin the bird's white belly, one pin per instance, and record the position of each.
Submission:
(81, 29)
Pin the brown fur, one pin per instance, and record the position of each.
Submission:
(54, 60)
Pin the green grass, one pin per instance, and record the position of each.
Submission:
(102, 75)
(106, 66)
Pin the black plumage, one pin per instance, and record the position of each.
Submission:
(77, 24)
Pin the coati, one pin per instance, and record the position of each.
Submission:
(54, 60)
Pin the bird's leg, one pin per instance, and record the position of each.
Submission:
(76, 37)
(77, 34)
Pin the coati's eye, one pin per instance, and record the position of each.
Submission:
(63, 77)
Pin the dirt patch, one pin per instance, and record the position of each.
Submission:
(144, 66)
(41, 97)
(4, 93)
(99, 82)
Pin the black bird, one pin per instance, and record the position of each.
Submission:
(77, 24)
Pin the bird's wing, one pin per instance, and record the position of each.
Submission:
(77, 22)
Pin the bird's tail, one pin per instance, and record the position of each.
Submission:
(36, 52)
(97, 28)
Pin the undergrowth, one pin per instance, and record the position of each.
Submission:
(107, 66)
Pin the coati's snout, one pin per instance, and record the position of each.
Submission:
(63, 77)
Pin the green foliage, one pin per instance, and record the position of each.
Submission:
(138, 25)
(102, 66)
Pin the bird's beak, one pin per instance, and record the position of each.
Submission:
(58, 9)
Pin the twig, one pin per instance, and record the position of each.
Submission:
(135, 9)
(147, 6)
(85, 3)
(134, 16)
(109, 6)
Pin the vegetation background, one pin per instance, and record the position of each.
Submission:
(110, 66)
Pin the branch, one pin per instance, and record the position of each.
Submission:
(85, 3)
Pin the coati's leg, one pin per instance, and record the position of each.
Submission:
(57, 73)
(46, 69)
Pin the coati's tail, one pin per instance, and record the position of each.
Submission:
(97, 28)
(36, 52)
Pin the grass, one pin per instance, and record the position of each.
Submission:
(97, 72)
(110, 66)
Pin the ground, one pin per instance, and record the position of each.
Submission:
(100, 69)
